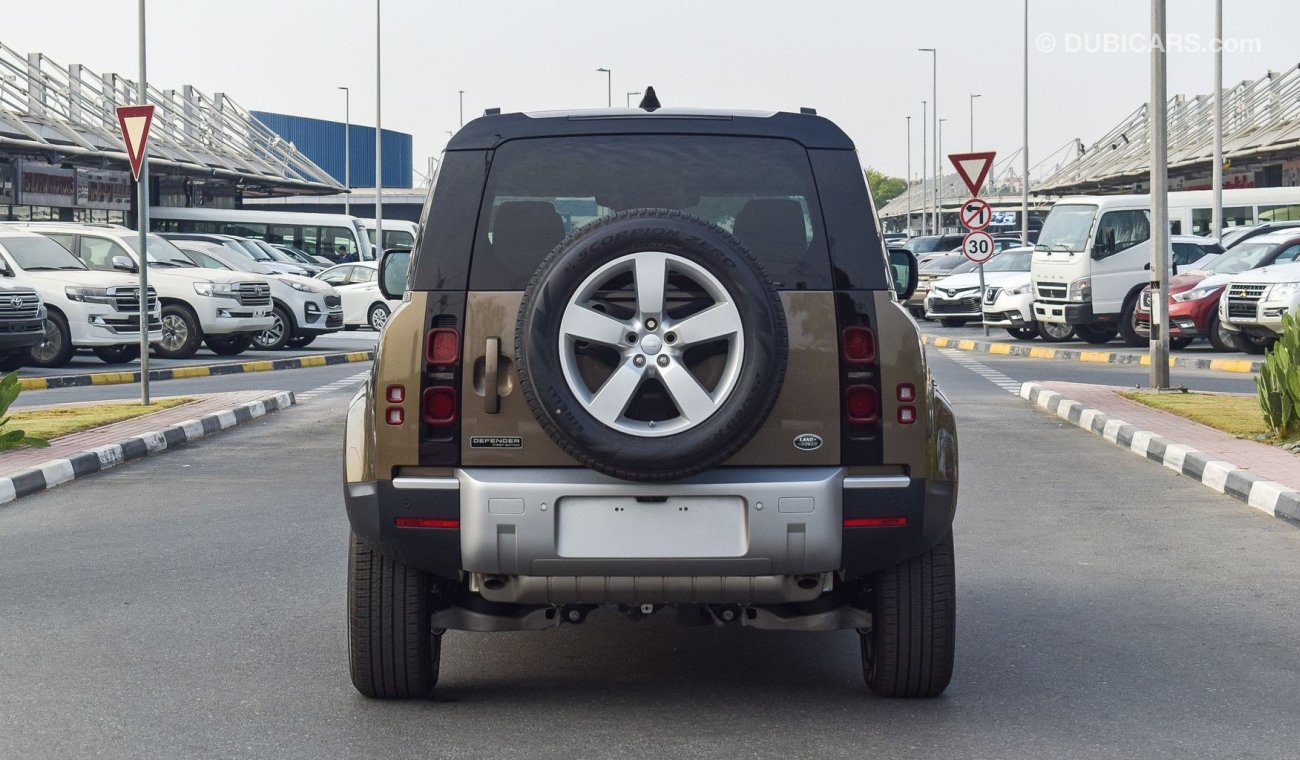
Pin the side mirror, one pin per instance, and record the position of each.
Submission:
(124, 263)
(903, 265)
(393, 273)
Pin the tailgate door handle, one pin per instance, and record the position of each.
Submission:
(491, 401)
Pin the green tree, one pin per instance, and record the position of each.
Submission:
(884, 188)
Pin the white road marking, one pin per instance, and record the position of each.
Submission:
(988, 373)
(338, 385)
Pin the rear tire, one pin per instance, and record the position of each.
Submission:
(1221, 339)
(120, 354)
(393, 653)
(1055, 332)
(910, 648)
(377, 317)
(1253, 345)
(1128, 324)
(229, 345)
(57, 349)
(1023, 333)
(1097, 336)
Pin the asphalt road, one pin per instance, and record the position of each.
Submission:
(191, 605)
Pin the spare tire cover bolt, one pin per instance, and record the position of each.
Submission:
(651, 324)
(663, 360)
(638, 360)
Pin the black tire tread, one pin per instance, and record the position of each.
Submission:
(195, 334)
(392, 652)
(911, 648)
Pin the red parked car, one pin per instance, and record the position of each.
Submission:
(1194, 296)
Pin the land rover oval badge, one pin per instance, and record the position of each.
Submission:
(808, 442)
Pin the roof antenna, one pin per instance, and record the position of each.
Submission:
(649, 101)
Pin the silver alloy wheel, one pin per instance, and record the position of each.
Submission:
(273, 334)
(1057, 330)
(175, 333)
(651, 344)
(50, 347)
(378, 317)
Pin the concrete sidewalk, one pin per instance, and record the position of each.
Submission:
(27, 471)
(1264, 476)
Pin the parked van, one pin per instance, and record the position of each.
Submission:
(1093, 256)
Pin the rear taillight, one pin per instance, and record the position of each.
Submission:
(858, 345)
(861, 405)
(875, 522)
(442, 347)
(395, 394)
(906, 394)
(394, 415)
(427, 522)
(439, 406)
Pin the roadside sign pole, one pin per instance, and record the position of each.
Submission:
(982, 292)
(1158, 128)
(142, 187)
(379, 142)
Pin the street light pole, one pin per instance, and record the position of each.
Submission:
(1158, 128)
(938, 174)
(925, 186)
(972, 121)
(909, 176)
(347, 150)
(379, 138)
(629, 97)
(934, 103)
(142, 199)
(1216, 216)
(609, 87)
(1024, 140)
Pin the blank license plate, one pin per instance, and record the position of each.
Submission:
(699, 526)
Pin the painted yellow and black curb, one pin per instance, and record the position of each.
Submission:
(206, 370)
(1243, 366)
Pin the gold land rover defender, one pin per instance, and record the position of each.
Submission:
(648, 359)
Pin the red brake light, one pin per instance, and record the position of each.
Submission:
(858, 345)
(442, 346)
(440, 405)
(427, 522)
(876, 522)
(861, 406)
(395, 394)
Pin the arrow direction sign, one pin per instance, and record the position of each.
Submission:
(973, 168)
(135, 122)
(975, 214)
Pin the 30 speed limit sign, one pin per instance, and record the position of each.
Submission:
(978, 247)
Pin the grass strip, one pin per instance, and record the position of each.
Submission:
(1238, 415)
(52, 422)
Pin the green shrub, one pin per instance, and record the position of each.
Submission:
(13, 439)
(1278, 382)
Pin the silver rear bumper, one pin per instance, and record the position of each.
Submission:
(772, 522)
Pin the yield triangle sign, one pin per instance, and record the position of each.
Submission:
(973, 168)
(135, 122)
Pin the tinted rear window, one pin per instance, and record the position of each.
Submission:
(759, 189)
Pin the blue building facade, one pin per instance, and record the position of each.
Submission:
(322, 142)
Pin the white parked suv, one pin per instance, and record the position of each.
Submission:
(225, 310)
(303, 307)
(363, 304)
(85, 308)
(957, 299)
(1257, 299)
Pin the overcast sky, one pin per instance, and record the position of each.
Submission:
(855, 61)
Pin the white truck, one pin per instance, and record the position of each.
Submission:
(1093, 256)
(84, 308)
(225, 310)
